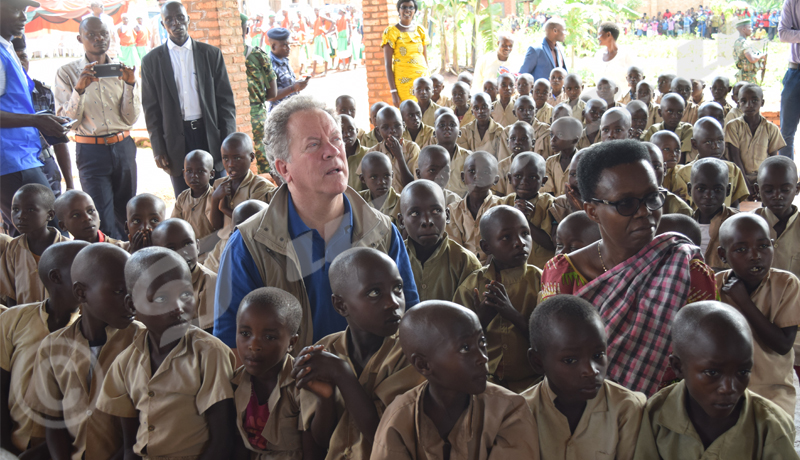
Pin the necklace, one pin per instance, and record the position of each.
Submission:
(601, 258)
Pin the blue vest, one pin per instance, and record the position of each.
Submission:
(19, 147)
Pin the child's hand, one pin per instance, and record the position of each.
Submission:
(318, 370)
(485, 313)
(219, 192)
(226, 193)
(395, 147)
(497, 299)
(526, 207)
(573, 198)
(736, 289)
(141, 239)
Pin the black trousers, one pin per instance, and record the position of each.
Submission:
(194, 133)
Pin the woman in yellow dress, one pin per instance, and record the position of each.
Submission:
(405, 52)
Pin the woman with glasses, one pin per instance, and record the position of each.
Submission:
(405, 52)
(636, 279)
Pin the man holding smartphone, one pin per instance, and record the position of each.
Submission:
(105, 99)
(287, 82)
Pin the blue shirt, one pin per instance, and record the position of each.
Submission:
(284, 76)
(238, 274)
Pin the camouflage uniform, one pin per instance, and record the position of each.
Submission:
(260, 77)
(746, 69)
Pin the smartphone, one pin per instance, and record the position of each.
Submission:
(108, 70)
(68, 124)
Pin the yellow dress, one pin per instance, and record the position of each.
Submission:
(408, 61)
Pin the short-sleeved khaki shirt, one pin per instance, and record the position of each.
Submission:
(556, 177)
(683, 177)
(685, 131)
(204, 282)
(504, 116)
(492, 140)
(426, 136)
(754, 148)
(465, 230)
(540, 219)
(19, 271)
(253, 187)
(410, 155)
(193, 210)
(444, 271)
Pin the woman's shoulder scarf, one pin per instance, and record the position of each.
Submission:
(637, 300)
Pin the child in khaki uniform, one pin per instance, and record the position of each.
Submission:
(479, 175)
(33, 208)
(240, 185)
(573, 87)
(720, 87)
(77, 214)
(434, 165)
(242, 212)
(171, 387)
(670, 146)
(455, 411)
(767, 297)
(571, 201)
(673, 204)
(350, 377)
(145, 211)
(576, 231)
(483, 133)
(735, 111)
(372, 138)
(22, 330)
(633, 76)
(683, 88)
(592, 114)
(267, 409)
(564, 135)
(376, 175)
(671, 111)
(520, 139)
(503, 107)
(644, 93)
(709, 187)
(439, 264)
(580, 415)
(447, 135)
(67, 394)
(713, 417)
(416, 131)
(423, 91)
(354, 150)
(557, 93)
(191, 204)
(178, 235)
(461, 103)
(503, 294)
(526, 176)
(438, 86)
(403, 153)
(638, 111)
(615, 124)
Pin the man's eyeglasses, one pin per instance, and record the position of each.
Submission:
(629, 206)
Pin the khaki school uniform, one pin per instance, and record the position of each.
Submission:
(369, 139)
(468, 117)
(503, 186)
(253, 187)
(578, 109)
(465, 230)
(735, 178)
(763, 431)
(544, 113)
(410, 155)
(652, 115)
(625, 99)
(284, 439)
(754, 148)
(496, 425)
(444, 101)
(353, 165)
(170, 404)
(555, 100)
(492, 140)
(444, 271)
(711, 257)
(673, 204)
(556, 177)
(787, 246)
(21, 332)
(672, 183)
(541, 220)
(584, 141)
(213, 258)
(506, 346)
(685, 131)
(390, 206)
(776, 297)
(450, 197)
(560, 208)
(504, 116)
(386, 376)
(690, 113)
(542, 145)
(426, 136)
(457, 161)
(608, 428)
(19, 271)
(733, 113)
(204, 282)
(429, 116)
(69, 392)
(659, 96)
(193, 210)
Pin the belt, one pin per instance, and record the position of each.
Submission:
(794, 65)
(103, 140)
(193, 124)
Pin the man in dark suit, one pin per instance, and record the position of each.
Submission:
(541, 59)
(186, 96)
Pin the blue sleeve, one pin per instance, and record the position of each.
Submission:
(238, 276)
(530, 61)
(400, 256)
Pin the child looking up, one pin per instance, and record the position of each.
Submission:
(672, 203)
(671, 111)
(557, 93)
(455, 411)
(664, 84)
(434, 165)
(735, 111)
(576, 231)
(438, 86)
(373, 138)
(240, 184)
(708, 187)
(564, 136)
(171, 388)
(22, 330)
(573, 87)
(490, 88)
(66, 395)
(376, 175)
(526, 177)
(423, 91)
(503, 294)
(520, 139)
(615, 124)
(639, 116)
(683, 88)
(32, 208)
(720, 88)
(715, 415)
(633, 77)
(644, 93)
(191, 204)
(524, 84)
(351, 376)
(402, 153)
(461, 103)
(483, 133)
(267, 406)
(579, 413)
(778, 186)
(354, 150)
(607, 90)
(503, 107)
(752, 138)
(145, 211)
(439, 264)
(595, 108)
(416, 131)
(541, 94)
(77, 214)
(767, 297)
(178, 235)
(479, 176)
(698, 91)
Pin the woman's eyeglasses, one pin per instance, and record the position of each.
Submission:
(629, 206)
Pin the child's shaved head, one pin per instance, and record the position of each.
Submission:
(635, 107)
(284, 304)
(373, 159)
(432, 323)
(388, 113)
(568, 308)
(576, 231)
(41, 193)
(348, 265)
(63, 203)
(376, 107)
(84, 267)
(660, 136)
(709, 324)
(146, 198)
(672, 98)
(246, 210)
(567, 128)
(157, 264)
(59, 257)
(495, 216)
(713, 110)
(238, 142)
(616, 116)
(418, 188)
(751, 87)
(740, 220)
(201, 156)
(778, 163)
(433, 164)
(683, 224)
(712, 167)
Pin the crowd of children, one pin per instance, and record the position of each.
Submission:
(106, 348)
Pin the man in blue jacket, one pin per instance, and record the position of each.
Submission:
(541, 59)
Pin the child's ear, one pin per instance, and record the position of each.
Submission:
(416, 171)
(212, 173)
(421, 364)
(722, 254)
(54, 275)
(447, 215)
(79, 291)
(400, 223)
(51, 214)
(544, 180)
(496, 179)
(535, 360)
(756, 188)
(508, 177)
(659, 112)
(129, 302)
(363, 182)
(677, 366)
(339, 305)
(252, 157)
(694, 144)
(797, 189)
(464, 182)
(728, 190)
(485, 247)
(292, 342)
